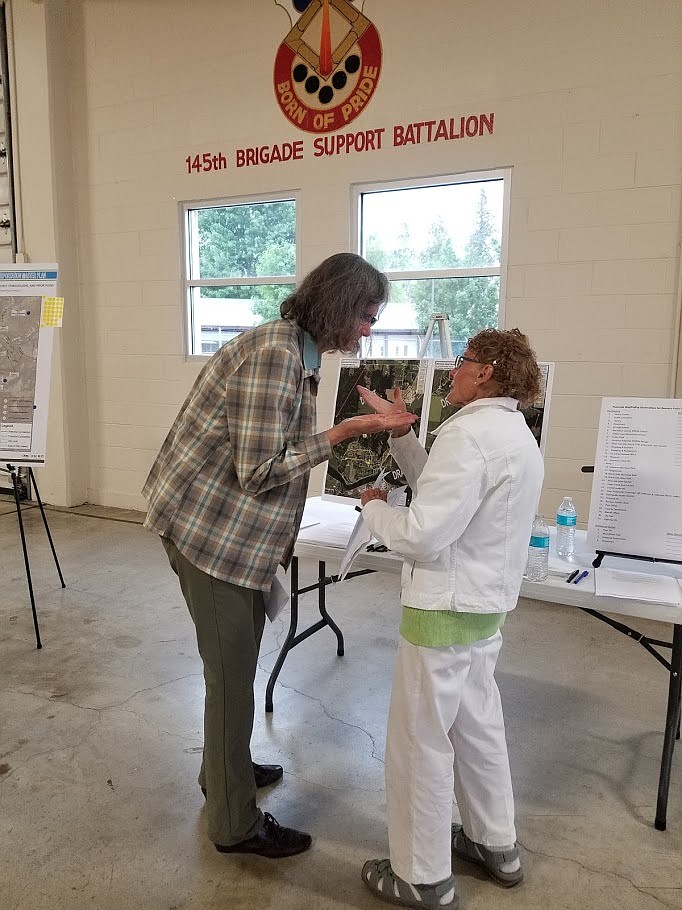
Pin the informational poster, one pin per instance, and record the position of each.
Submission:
(536, 414)
(29, 314)
(438, 409)
(636, 503)
(356, 463)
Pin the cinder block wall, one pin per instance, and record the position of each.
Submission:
(587, 100)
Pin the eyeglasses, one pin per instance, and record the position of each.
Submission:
(369, 319)
(459, 360)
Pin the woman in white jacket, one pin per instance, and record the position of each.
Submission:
(464, 539)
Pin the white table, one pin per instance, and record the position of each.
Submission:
(325, 530)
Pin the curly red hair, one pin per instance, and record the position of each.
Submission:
(515, 367)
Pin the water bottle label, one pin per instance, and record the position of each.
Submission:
(540, 542)
(566, 520)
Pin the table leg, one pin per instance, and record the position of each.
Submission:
(291, 634)
(672, 727)
(322, 581)
(295, 638)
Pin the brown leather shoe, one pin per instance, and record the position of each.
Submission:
(273, 841)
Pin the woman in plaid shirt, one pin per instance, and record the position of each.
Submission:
(226, 494)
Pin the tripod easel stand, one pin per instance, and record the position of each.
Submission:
(443, 321)
(15, 484)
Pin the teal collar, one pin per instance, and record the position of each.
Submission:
(311, 355)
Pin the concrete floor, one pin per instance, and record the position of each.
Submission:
(100, 741)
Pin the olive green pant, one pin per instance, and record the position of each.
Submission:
(229, 624)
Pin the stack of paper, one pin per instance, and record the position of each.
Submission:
(656, 589)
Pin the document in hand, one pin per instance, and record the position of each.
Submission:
(359, 538)
(276, 598)
(656, 589)
(361, 535)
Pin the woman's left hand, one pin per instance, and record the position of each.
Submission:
(372, 493)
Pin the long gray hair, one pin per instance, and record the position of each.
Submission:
(332, 298)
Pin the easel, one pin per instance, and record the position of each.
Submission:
(15, 484)
(443, 321)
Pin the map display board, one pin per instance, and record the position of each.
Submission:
(537, 414)
(29, 314)
(438, 410)
(356, 463)
(636, 502)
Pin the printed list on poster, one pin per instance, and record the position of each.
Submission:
(636, 504)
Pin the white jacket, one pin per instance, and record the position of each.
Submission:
(464, 538)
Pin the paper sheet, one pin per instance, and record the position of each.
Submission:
(358, 541)
(276, 598)
(657, 589)
(636, 500)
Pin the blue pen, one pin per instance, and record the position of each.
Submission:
(581, 576)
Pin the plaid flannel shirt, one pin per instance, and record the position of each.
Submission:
(229, 484)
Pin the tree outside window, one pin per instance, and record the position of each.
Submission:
(441, 245)
(240, 265)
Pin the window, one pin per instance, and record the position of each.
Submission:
(240, 263)
(442, 243)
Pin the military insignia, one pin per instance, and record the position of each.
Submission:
(328, 66)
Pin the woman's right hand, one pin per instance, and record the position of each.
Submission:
(381, 405)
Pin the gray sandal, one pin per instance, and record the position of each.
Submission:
(382, 881)
(494, 861)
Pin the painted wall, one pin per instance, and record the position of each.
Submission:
(587, 98)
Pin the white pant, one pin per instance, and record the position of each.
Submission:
(445, 732)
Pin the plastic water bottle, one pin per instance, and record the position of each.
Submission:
(537, 567)
(566, 518)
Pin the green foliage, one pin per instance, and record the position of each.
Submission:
(233, 239)
(483, 247)
(259, 239)
(375, 253)
(471, 303)
(250, 240)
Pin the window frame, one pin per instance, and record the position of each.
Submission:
(358, 190)
(187, 283)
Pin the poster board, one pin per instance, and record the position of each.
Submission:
(29, 315)
(356, 463)
(536, 414)
(636, 501)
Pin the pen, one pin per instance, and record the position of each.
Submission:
(572, 576)
(358, 509)
(581, 576)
